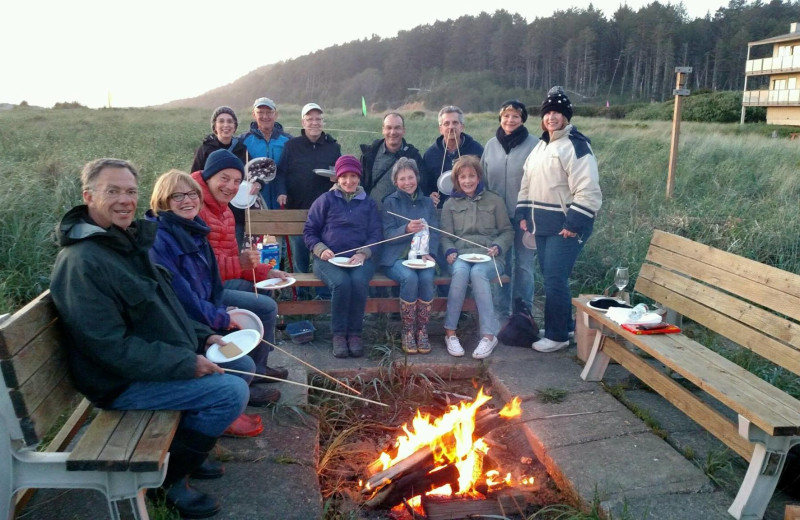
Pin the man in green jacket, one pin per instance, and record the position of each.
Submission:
(132, 345)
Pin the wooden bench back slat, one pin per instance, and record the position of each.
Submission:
(762, 284)
(25, 324)
(151, 446)
(32, 356)
(278, 221)
(745, 324)
(41, 420)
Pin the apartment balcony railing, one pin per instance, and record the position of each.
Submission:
(764, 98)
(773, 65)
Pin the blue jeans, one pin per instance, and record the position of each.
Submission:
(557, 256)
(415, 284)
(349, 289)
(521, 286)
(239, 293)
(480, 276)
(209, 403)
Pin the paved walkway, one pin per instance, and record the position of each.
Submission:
(593, 446)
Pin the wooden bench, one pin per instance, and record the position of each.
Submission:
(751, 304)
(119, 454)
(289, 222)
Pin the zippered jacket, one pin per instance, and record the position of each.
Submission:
(296, 178)
(503, 171)
(401, 203)
(258, 146)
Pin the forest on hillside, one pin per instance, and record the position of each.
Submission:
(478, 61)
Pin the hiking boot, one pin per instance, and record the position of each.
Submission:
(408, 315)
(548, 345)
(355, 346)
(454, 347)
(484, 348)
(340, 347)
(279, 372)
(423, 318)
(260, 396)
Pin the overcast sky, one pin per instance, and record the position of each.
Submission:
(146, 52)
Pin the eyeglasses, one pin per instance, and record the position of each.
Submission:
(178, 196)
(115, 193)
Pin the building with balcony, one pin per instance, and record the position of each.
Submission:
(780, 74)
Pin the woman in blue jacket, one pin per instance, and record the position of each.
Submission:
(416, 284)
(342, 223)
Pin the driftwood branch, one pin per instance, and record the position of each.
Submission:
(412, 484)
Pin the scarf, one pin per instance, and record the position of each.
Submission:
(515, 138)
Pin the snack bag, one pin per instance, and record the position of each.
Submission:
(420, 243)
(270, 251)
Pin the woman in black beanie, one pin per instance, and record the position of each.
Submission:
(558, 200)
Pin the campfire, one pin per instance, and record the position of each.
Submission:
(444, 460)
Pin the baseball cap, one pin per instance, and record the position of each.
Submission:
(265, 102)
(308, 107)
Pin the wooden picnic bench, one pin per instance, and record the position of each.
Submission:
(289, 222)
(750, 304)
(120, 452)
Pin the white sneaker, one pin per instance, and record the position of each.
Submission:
(548, 345)
(570, 334)
(454, 347)
(484, 348)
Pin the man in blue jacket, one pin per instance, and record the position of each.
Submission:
(266, 139)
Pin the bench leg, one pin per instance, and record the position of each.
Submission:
(598, 360)
(763, 473)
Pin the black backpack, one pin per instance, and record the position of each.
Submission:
(521, 329)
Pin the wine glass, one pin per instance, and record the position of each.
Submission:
(621, 278)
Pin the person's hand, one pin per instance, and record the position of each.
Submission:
(452, 258)
(282, 200)
(276, 273)
(435, 196)
(429, 258)
(326, 255)
(523, 225)
(204, 367)
(357, 258)
(249, 259)
(493, 251)
(255, 187)
(414, 226)
(566, 233)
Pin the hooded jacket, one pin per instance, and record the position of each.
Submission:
(182, 247)
(339, 225)
(401, 203)
(296, 178)
(211, 144)
(259, 146)
(436, 154)
(222, 237)
(481, 219)
(120, 312)
(560, 188)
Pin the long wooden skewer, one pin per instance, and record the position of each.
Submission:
(496, 270)
(373, 244)
(311, 366)
(250, 230)
(303, 385)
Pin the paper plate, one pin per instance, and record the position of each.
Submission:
(275, 283)
(603, 303)
(245, 319)
(529, 240)
(246, 340)
(445, 183)
(341, 261)
(325, 172)
(419, 264)
(263, 166)
(243, 199)
(474, 258)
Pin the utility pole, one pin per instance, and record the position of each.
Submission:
(681, 76)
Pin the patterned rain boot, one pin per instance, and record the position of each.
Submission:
(423, 317)
(408, 314)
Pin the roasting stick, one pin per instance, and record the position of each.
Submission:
(250, 229)
(496, 270)
(279, 380)
(370, 245)
(311, 366)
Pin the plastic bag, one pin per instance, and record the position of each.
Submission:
(420, 243)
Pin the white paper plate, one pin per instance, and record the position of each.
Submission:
(445, 183)
(259, 165)
(474, 258)
(243, 199)
(246, 340)
(325, 172)
(419, 264)
(341, 261)
(246, 319)
(275, 283)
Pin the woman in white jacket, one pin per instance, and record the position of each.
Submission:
(558, 200)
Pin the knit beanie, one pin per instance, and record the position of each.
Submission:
(223, 110)
(347, 164)
(517, 105)
(557, 101)
(219, 160)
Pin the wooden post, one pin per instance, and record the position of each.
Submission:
(681, 74)
(792, 512)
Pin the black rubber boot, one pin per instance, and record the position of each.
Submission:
(187, 453)
(208, 470)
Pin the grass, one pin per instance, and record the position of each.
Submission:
(551, 395)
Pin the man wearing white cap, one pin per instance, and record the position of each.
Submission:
(266, 138)
(296, 184)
